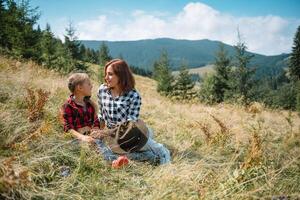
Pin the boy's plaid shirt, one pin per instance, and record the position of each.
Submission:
(76, 117)
(119, 109)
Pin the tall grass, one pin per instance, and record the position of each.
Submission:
(218, 152)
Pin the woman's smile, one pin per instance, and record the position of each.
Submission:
(111, 78)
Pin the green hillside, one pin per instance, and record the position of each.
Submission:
(196, 53)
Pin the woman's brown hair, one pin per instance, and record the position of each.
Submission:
(121, 69)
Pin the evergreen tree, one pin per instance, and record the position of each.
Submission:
(63, 59)
(89, 55)
(3, 34)
(215, 85)
(294, 65)
(95, 56)
(242, 78)
(222, 73)
(104, 57)
(104, 54)
(184, 84)
(141, 71)
(71, 41)
(48, 45)
(207, 90)
(30, 38)
(163, 74)
(71, 49)
(17, 33)
(82, 53)
(155, 70)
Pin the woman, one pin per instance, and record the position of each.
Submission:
(119, 102)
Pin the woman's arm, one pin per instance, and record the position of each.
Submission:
(134, 107)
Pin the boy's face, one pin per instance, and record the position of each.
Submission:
(111, 78)
(85, 88)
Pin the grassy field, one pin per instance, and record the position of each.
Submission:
(202, 71)
(218, 152)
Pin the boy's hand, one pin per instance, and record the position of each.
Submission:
(86, 138)
(102, 133)
(97, 134)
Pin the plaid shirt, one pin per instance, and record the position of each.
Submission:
(76, 116)
(119, 109)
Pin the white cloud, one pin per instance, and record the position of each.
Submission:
(91, 29)
(263, 34)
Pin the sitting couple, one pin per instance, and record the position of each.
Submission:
(117, 131)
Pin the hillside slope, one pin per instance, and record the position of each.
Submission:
(218, 152)
(196, 53)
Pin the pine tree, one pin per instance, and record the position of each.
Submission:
(242, 81)
(104, 54)
(48, 45)
(72, 55)
(215, 86)
(104, 57)
(184, 84)
(30, 38)
(3, 34)
(82, 53)
(222, 73)
(95, 56)
(18, 37)
(155, 70)
(294, 65)
(207, 89)
(163, 74)
(71, 41)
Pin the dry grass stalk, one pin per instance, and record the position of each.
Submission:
(224, 128)
(255, 108)
(36, 100)
(12, 176)
(23, 145)
(254, 155)
(206, 131)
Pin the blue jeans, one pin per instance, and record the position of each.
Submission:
(152, 152)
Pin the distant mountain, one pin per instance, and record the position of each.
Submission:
(197, 53)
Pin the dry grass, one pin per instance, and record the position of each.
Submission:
(36, 100)
(219, 152)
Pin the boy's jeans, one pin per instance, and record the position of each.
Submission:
(152, 152)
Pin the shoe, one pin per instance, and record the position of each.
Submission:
(120, 162)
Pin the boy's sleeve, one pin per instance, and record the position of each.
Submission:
(67, 118)
(96, 120)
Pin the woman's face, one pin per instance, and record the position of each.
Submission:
(111, 78)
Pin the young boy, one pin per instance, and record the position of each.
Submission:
(79, 114)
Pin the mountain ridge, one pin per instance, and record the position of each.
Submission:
(196, 53)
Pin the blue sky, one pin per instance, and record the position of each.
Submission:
(267, 26)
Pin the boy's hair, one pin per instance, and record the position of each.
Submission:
(76, 79)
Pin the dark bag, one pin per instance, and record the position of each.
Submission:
(128, 137)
